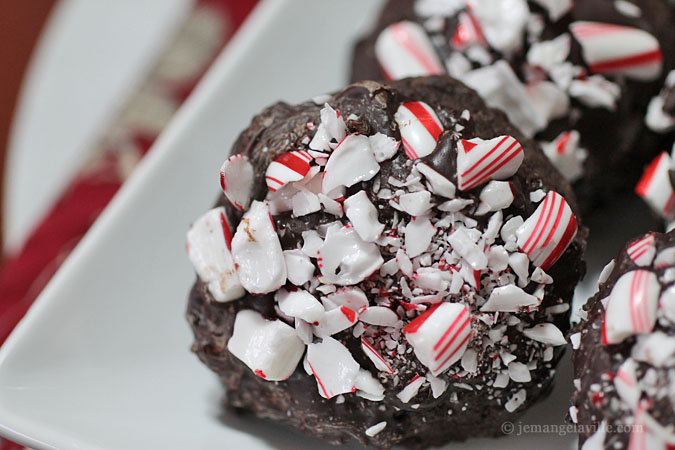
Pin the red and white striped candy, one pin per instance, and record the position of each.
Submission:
(290, 166)
(612, 49)
(333, 367)
(208, 247)
(479, 161)
(236, 180)
(404, 50)
(626, 383)
(375, 356)
(655, 187)
(440, 335)
(547, 233)
(467, 32)
(642, 251)
(256, 250)
(419, 126)
(632, 306)
(335, 320)
(270, 348)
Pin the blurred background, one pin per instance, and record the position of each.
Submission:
(85, 88)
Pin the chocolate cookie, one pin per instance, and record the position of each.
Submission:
(576, 75)
(624, 351)
(401, 269)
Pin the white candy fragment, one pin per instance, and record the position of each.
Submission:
(575, 340)
(375, 356)
(495, 195)
(420, 128)
(467, 249)
(548, 232)
(509, 298)
(657, 119)
(378, 315)
(375, 429)
(305, 202)
(606, 271)
(440, 335)
(331, 129)
(384, 147)
(595, 92)
(333, 367)
(404, 50)
(411, 389)
(438, 385)
(616, 49)
(566, 155)
(287, 167)
(351, 162)
(368, 387)
(656, 349)
(546, 333)
(345, 258)
(418, 235)
(270, 348)
(479, 161)
(363, 215)
(416, 203)
(550, 101)
(556, 8)
(642, 251)
(438, 184)
(655, 187)
(667, 303)
(300, 304)
(351, 297)
(335, 320)
(519, 372)
(236, 180)
(257, 251)
(299, 269)
(502, 22)
(632, 306)
(626, 383)
(208, 242)
(550, 54)
(516, 400)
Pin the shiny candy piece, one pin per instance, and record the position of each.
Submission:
(468, 32)
(363, 215)
(509, 298)
(256, 250)
(479, 161)
(375, 356)
(440, 335)
(420, 128)
(503, 22)
(208, 248)
(565, 154)
(301, 304)
(236, 180)
(270, 348)
(351, 162)
(642, 251)
(632, 306)
(404, 50)
(616, 49)
(289, 166)
(655, 187)
(547, 233)
(335, 320)
(345, 258)
(333, 367)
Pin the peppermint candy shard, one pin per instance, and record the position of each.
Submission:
(617, 49)
(440, 335)
(288, 167)
(411, 389)
(335, 320)
(546, 333)
(345, 258)
(363, 215)
(331, 129)
(438, 184)
(404, 50)
(626, 383)
(468, 32)
(352, 161)
(299, 304)
(256, 250)
(479, 161)
(333, 367)
(642, 251)
(420, 128)
(236, 180)
(632, 306)
(547, 233)
(509, 298)
(655, 187)
(270, 348)
(375, 356)
(208, 248)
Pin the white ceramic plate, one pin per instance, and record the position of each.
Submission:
(102, 359)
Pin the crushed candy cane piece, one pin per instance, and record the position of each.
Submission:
(516, 400)
(438, 385)
(379, 315)
(301, 304)
(346, 259)
(368, 387)
(416, 203)
(519, 372)
(494, 196)
(479, 161)
(270, 348)
(299, 269)
(333, 367)
(411, 389)
(547, 233)
(287, 167)
(626, 384)
(375, 356)
(351, 162)
(617, 49)
(438, 184)
(363, 215)
(335, 320)
(642, 251)
(351, 297)
(331, 129)
(256, 250)
(595, 92)
(208, 248)
(467, 249)
(440, 335)
(503, 22)
(236, 180)
(404, 50)
(384, 147)
(566, 155)
(546, 333)
(374, 430)
(418, 235)
(632, 306)
(420, 128)
(509, 298)
(655, 187)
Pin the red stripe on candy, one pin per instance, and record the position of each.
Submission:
(425, 118)
(567, 237)
(450, 328)
(401, 35)
(643, 59)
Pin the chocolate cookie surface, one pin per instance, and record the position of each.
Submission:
(577, 76)
(401, 269)
(624, 351)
